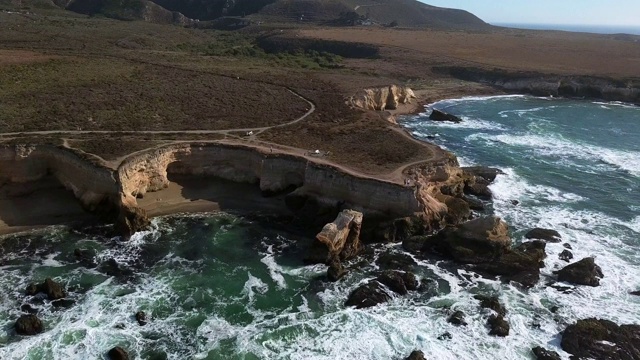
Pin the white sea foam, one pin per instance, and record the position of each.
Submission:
(467, 123)
(476, 98)
(275, 270)
(558, 146)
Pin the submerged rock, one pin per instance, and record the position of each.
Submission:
(457, 318)
(543, 354)
(29, 325)
(439, 115)
(498, 325)
(53, 290)
(395, 261)
(336, 270)
(368, 295)
(416, 355)
(85, 257)
(565, 255)
(445, 336)
(141, 318)
(118, 353)
(491, 302)
(340, 238)
(583, 272)
(601, 339)
(547, 235)
(480, 240)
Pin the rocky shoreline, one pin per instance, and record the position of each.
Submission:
(437, 213)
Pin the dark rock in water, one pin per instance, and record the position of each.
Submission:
(567, 246)
(566, 255)
(53, 290)
(491, 302)
(416, 355)
(336, 270)
(554, 309)
(457, 318)
(478, 189)
(398, 282)
(27, 308)
(414, 244)
(515, 202)
(118, 353)
(141, 318)
(85, 257)
(547, 235)
(601, 339)
(474, 204)
(445, 336)
(583, 272)
(498, 325)
(368, 295)
(112, 268)
(487, 173)
(521, 264)
(29, 325)
(438, 115)
(543, 354)
(120, 326)
(131, 220)
(477, 241)
(636, 293)
(395, 261)
(63, 303)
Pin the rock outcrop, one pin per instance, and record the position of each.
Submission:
(339, 239)
(543, 354)
(118, 353)
(601, 339)
(29, 325)
(477, 241)
(383, 98)
(374, 292)
(583, 272)
(547, 235)
(416, 355)
(439, 115)
(53, 290)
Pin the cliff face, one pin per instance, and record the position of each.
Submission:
(101, 188)
(272, 172)
(92, 184)
(383, 98)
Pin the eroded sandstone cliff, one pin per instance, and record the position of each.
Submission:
(382, 98)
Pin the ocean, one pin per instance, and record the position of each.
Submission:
(226, 286)
(596, 29)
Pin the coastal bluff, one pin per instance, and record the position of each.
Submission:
(115, 192)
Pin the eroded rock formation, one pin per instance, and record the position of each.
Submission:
(601, 339)
(382, 98)
(339, 239)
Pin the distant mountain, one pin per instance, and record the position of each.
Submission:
(406, 13)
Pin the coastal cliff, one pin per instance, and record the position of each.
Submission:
(306, 183)
(382, 98)
(92, 184)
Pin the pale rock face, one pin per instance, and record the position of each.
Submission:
(339, 239)
(383, 98)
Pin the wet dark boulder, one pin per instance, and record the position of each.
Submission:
(439, 115)
(118, 353)
(498, 326)
(487, 173)
(395, 261)
(601, 339)
(112, 268)
(477, 241)
(416, 355)
(368, 295)
(566, 255)
(28, 309)
(478, 189)
(474, 204)
(491, 302)
(85, 257)
(445, 336)
(398, 282)
(583, 272)
(29, 325)
(635, 293)
(457, 318)
(521, 264)
(547, 235)
(53, 290)
(415, 244)
(336, 270)
(141, 318)
(131, 220)
(543, 354)
(63, 303)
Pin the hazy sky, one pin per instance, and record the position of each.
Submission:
(570, 12)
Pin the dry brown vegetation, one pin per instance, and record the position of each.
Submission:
(62, 71)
